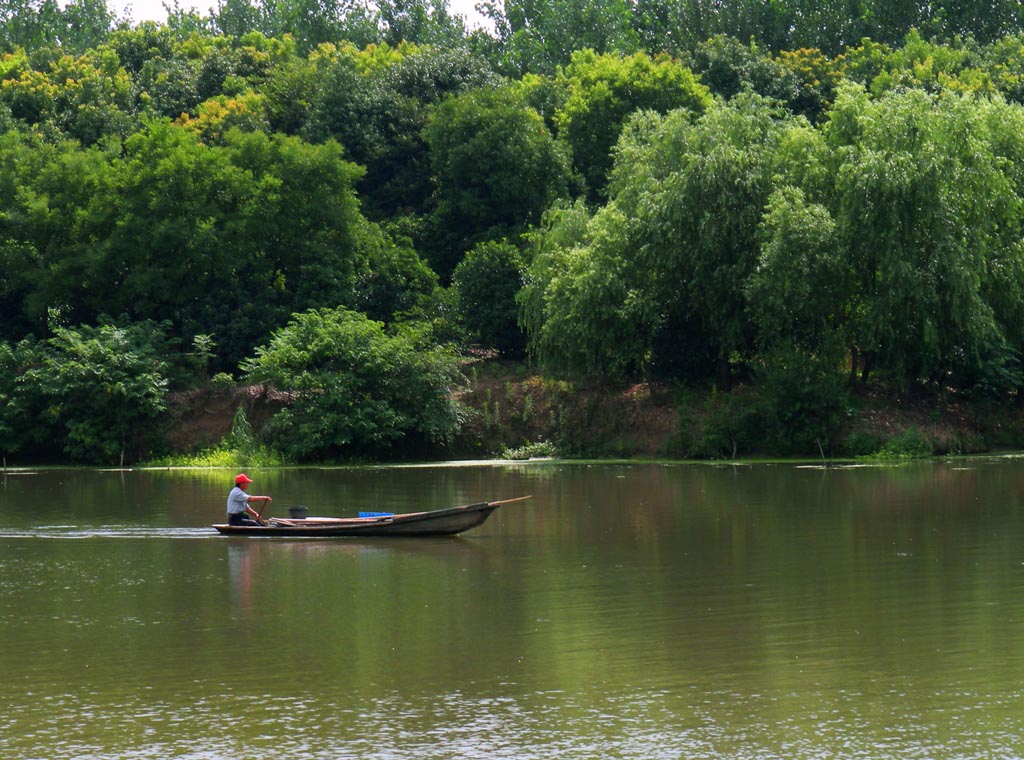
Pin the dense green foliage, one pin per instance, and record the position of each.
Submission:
(496, 168)
(486, 282)
(600, 93)
(357, 390)
(697, 192)
(893, 232)
(92, 391)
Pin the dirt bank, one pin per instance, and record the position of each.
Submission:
(510, 407)
(203, 417)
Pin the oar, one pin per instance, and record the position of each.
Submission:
(259, 515)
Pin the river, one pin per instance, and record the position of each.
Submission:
(647, 610)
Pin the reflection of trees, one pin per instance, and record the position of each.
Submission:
(615, 578)
(661, 573)
(778, 561)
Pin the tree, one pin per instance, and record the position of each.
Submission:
(357, 391)
(226, 238)
(587, 306)
(309, 22)
(57, 217)
(86, 24)
(74, 26)
(496, 169)
(393, 282)
(104, 388)
(291, 89)
(657, 282)
(1003, 61)
(800, 291)
(804, 79)
(486, 283)
(701, 189)
(87, 97)
(918, 63)
(539, 36)
(378, 113)
(563, 228)
(22, 427)
(236, 18)
(601, 91)
(727, 67)
(215, 117)
(400, 99)
(828, 26)
(927, 205)
(424, 22)
(243, 234)
(22, 159)
(815, 77)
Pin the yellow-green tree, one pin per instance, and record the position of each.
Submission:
(602, 91)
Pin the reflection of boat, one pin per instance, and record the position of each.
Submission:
(441, 522)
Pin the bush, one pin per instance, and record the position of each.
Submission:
(94, 392)
(534, 450)
(797, 406)
(733, 423)
(910, 444)
(861, 444)
(222, 381)
(805, 399)
(21, 403)
(358, 391)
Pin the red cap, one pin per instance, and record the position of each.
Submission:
(243, 478)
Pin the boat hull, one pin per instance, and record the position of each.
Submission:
(441, 522)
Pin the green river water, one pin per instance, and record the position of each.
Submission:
(626, 611)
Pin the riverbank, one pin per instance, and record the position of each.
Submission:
(512, 411)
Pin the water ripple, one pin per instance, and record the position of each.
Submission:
(71, 532)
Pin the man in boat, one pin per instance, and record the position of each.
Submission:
(239, 511)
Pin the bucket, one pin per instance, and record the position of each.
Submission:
(298, 513)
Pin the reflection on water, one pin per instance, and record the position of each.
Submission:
(627, 611)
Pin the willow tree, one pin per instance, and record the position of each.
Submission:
(929, 219)
(659, 281)
(701, 189)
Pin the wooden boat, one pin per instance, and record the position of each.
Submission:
(440, 522)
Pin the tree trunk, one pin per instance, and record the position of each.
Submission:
(724, 379)
(869, 362)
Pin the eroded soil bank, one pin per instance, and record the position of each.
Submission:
(511, 408)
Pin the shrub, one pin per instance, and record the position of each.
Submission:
(910, 444)
(861, 444)
(805, 399)
(358, 391)
(732, 423)
(222, 381)
(94, 392)
(537, 449)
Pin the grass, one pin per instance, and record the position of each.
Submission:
(223, 455)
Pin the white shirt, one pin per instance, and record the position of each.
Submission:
(238, 500)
